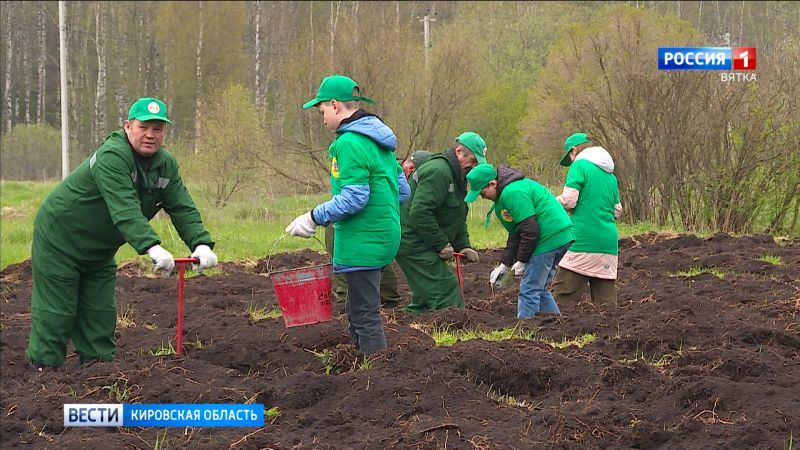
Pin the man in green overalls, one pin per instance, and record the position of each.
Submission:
(106, 201)
(434, 225)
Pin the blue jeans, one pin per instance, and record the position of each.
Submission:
(363, 308)
(533, 294)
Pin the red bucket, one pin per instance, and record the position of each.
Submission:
(304, 295)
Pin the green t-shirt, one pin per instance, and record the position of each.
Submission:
(593, 216)
(370, 237)
(524, 198)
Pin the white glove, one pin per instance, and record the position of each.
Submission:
(446, 253)
(519, 268)
(302, 226)
(205, 255)
(470, 254)
(162, 259)
(498, 272)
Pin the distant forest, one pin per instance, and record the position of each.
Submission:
(690, 148)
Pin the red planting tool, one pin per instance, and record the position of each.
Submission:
(181, 268)
(457, 256)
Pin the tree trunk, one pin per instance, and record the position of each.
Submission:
(99, 127)
(741, 26)
(334, 21)
(311, 27)
(257, 69)
(9, 37)
(397, 17)
(26, 79)
(355, 20)
(199, 90)
(41, 96)
(141, 54)
(121, 90)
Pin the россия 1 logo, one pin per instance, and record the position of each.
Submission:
(711, 58)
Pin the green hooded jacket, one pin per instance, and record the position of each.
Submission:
(110, 198)
(436, 214)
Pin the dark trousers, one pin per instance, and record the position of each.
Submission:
(390, 295)
(568, 287)
(363, 310)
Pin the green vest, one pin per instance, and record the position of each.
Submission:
(525, 198)
(370, 237)
(593, 216)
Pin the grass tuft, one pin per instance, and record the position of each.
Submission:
(163, 349)
(775, 260)
(258, 313)
(125, 320)
(272, 414)
(695, 271)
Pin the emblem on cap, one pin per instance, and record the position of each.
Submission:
(153, 107)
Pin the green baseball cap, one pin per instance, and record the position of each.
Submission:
(148, 108)
(420, 156)
(479, 178)
(337, 87)
(475, 143)
(570, 143)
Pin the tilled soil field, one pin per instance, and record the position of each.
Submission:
(710, 360)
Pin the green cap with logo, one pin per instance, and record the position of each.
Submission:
(478, 178)
(475, 143)
(570, 143)
(337, 87)
(148, 108)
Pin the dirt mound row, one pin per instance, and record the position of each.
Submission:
(702, 351)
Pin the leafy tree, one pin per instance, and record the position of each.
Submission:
(229, 158)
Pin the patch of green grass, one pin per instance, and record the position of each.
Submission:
(118, 392)
(212, 272)
(365, 364)
(695, 271)
(775, 260)
(272, 414)
(125, 320)
(163, 349)
(161, 441)
(507, 399)
(326, 357)
(244, 229)
(198, 344)
(258, 313)
(443, 336)
(579, 341)
(655, 360)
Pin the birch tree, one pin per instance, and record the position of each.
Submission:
(99, 127)
(41, 97)
(9, 38)
(257, 44)
(199, 90)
